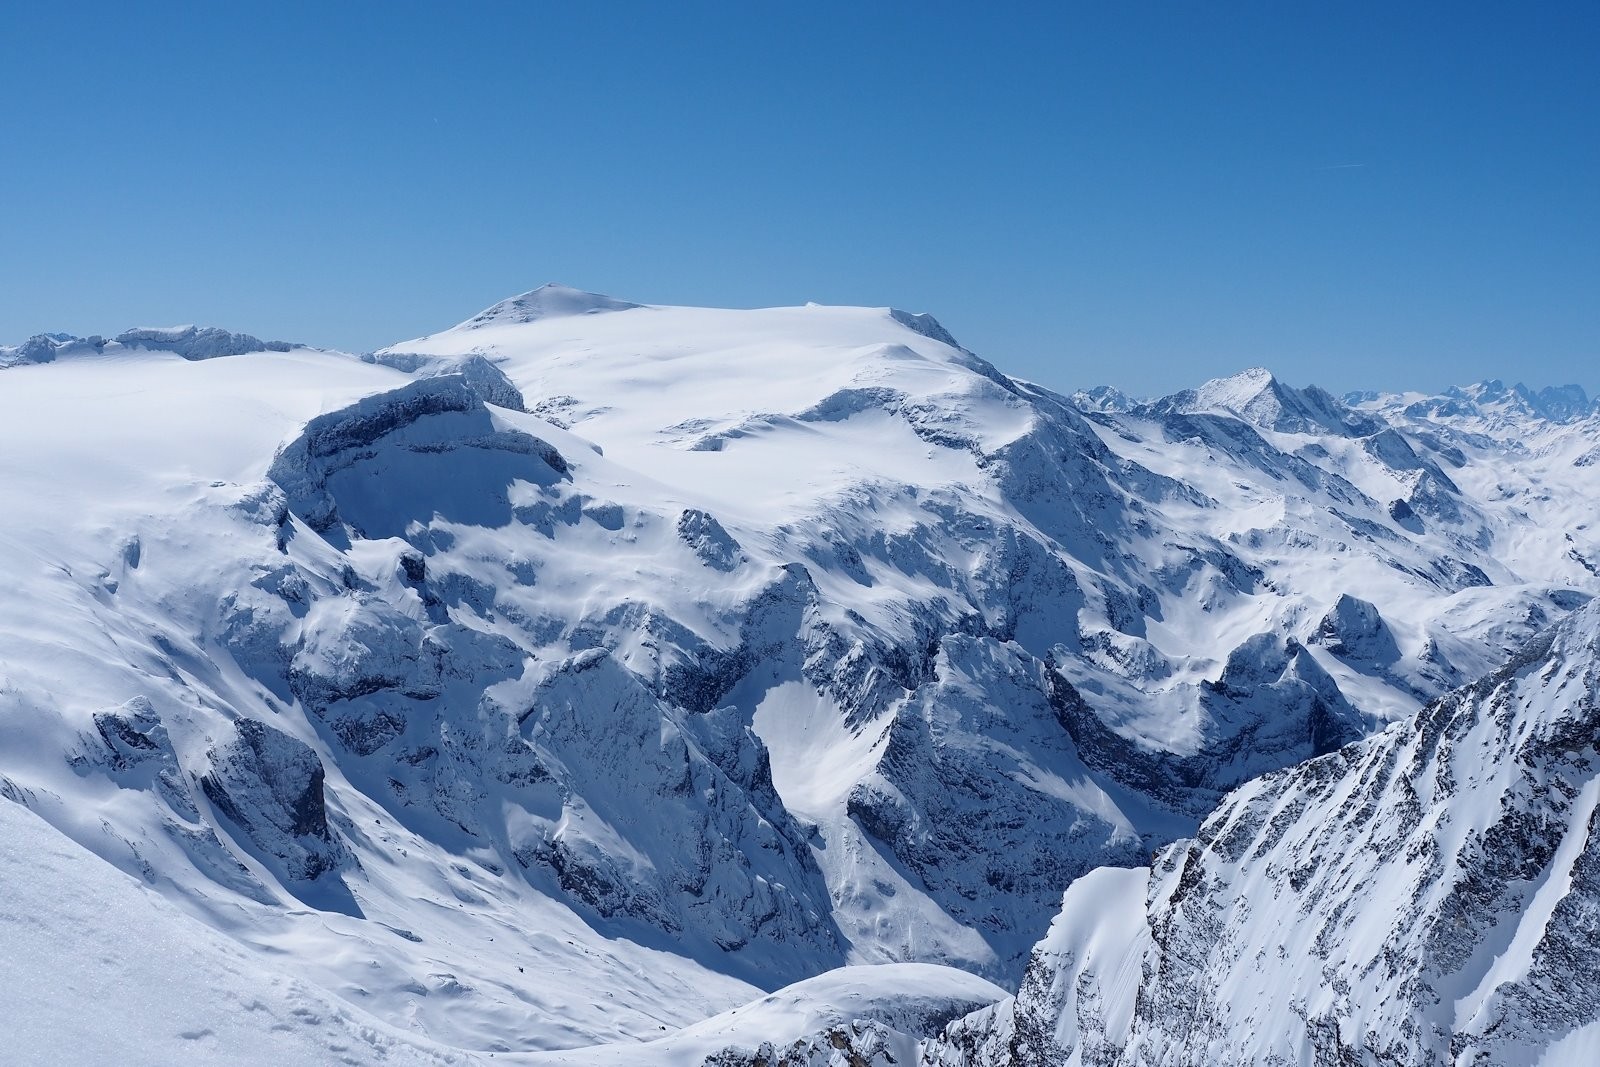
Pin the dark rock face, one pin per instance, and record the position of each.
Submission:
(925, 324)
(964, 816)
(713, 544)
(269, 785)
(715, 860)
(1354, 629)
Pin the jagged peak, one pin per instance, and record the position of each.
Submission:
(1558, 403)
(550, 301)
(1495, 402)
(1258, 397)
(1104, 398)
(1236, 392)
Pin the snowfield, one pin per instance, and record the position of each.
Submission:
(595, 682)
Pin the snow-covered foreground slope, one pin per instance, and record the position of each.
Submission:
(97, 969)
(589, 669)
(1428, 896)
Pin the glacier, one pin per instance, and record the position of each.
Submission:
(588, 672)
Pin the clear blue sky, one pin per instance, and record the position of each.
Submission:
(1391, 195)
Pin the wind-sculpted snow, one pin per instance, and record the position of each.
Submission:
(1429, 896)
(98, 970)
(588, 668)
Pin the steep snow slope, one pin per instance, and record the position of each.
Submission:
(590, 668)
(1429, 896)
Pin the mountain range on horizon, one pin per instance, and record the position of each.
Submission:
(1557, 403)
(595, 682)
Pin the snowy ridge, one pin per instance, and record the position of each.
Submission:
(875, 1016)
(1428, 896)
(591, 669)
(190, 342)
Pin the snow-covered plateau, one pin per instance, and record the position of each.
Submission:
(605, 683)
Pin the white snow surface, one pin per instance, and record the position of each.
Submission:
(98, 969)
(589, 670)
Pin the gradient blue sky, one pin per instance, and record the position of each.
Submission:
(1369, 195)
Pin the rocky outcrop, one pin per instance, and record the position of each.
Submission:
(270, 786)
(1354, 629)
(714, 546)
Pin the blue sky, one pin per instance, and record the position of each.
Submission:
(1385, 195)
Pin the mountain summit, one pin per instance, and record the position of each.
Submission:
(1259, 398)
(549, 301)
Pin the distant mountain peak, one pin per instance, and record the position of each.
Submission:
(550, 301)
(1491, 402)
(1104, 398)
(1258, 397)
(1237, 391)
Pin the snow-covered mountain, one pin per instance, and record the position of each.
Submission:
(1484, 407)
(589, 669)
(1428, 896)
